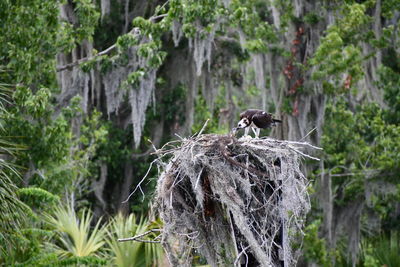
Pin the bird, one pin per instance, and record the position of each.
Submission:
(256, 119)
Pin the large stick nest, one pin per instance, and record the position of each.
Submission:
(232, 201)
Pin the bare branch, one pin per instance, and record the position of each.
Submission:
(138, 186)
(137, 238)
(203, 128)
(308, 134)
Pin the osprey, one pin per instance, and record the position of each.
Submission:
(256, 119)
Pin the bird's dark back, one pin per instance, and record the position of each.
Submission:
(249, 113)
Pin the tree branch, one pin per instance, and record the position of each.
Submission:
(137, 238)
(135, 31)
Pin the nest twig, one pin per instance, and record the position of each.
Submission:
(232, 201)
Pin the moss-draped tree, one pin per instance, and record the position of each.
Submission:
(95, 80)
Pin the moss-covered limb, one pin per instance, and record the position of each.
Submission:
(232, 199)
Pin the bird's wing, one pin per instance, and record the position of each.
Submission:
(262, 120)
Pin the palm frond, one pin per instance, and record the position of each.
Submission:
(387, 248)
(12, 210)
(75, 235)
(130, 254)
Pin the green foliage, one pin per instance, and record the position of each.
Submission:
(29, 50)
(132, 253)
(115, 151)
(204, 11)
(11, 208)
(126, 41)
(369, 260)
(51, 259)
(149, 51)
(361, 147)
(312, 18)
(381, 251)
(386, 250)
(365, 136)
(334, 58)
(54, 156)
(25, 48)
(88, 16)
(28, 247)
(74, 234)
(37, 197)
(353, 22)
(82, 261)
(46, 138)
(361, 143)
(315, 248)
(340, 50)
(389, 8)
(389, 82)
(236, 49)
(202, 114)
(93, 132)
(13, 212)
(172, 105)
(260, 33)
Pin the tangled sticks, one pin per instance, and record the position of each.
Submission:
(233, 201)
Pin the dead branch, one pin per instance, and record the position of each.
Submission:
(139, 185)
(137, 238)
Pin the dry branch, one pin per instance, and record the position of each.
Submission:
(137, 237)
(233, 201)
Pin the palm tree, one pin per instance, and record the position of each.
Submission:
(74, 233)
(132, 254)
(12, 210)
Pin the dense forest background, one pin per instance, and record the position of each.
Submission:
(88, 88)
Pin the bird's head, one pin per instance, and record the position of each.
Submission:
(243, 123)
